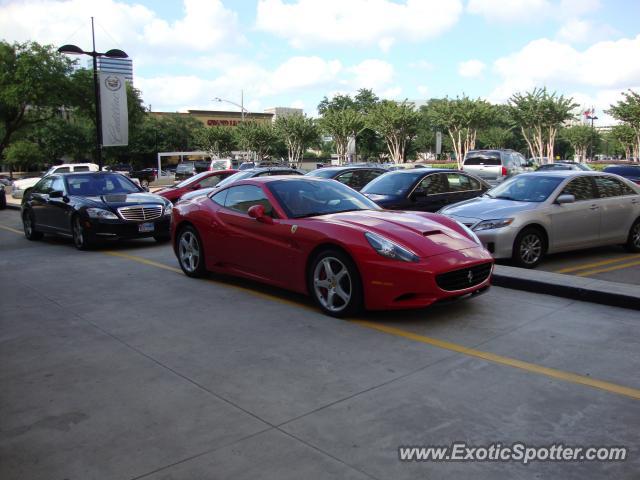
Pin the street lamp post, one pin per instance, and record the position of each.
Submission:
(241, 104)
(113, 53)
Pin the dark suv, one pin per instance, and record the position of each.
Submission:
(632, 172)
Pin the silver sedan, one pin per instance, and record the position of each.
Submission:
(537, 213)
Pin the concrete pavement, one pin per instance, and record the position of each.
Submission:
(121, 367)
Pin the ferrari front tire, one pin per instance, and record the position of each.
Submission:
(334, 283)
(190, 253)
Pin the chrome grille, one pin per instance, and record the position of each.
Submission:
(141, 213)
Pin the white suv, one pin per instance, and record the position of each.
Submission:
(19, 186)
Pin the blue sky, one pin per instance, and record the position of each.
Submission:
(292, 53)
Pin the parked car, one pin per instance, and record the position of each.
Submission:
(348, 252)
(495, 166)
(20, 186)
(201, 180)
(538, 213)
(352, 176)
(564, 165)
(185, 170)
(254, 172)
(3, 197)
(92, 206)
(145, 176)
(247, 166)
(631, 172)
(423, 189)
(4, 180)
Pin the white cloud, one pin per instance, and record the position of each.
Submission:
(423, 90)
(543, 62)
(471, 68)
(356, 22)
(518, 10)
(373, 74)
(421, 65)
(206, 26)
(581, 31)
(508, 10)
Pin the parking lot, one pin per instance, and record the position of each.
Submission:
(113, 364)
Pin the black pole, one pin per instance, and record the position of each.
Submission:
(96, 90)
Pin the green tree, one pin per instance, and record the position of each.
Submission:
(397, 123)
(540, 115)
(460, 118)
(257, 137)
(581, 137)
(495, 137)
(23, 154)
(624, 136)
(298, 132)
(33, 86)
(59, 137)
(219, 141)
(628, 112)
(342, 125)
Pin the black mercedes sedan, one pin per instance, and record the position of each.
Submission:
(91, 206)
(423, 189)
(353, 176)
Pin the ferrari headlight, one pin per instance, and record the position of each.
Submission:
(168, 209)
(389, 249)
(101, 213)
(470, 233)
(493, 224)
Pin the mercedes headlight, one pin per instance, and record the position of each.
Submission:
(389, 249)
(101, 213)
(493, 224)
(168, 209)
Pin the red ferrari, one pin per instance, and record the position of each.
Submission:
(321, 238)
(201, 180)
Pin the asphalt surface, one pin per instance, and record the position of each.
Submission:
(114, 365)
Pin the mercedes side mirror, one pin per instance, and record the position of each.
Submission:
(258, 212)
(565, 198)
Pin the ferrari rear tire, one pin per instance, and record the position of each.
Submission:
(334, 283)
(633, 242)
(190, 252)
(29, 226)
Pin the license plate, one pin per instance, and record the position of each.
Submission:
(146, 227)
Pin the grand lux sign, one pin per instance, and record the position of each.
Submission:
(113, 103)
(232, 123)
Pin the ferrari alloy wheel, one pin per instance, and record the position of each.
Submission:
(28, 224)
(190, 253)
(335, 284)
(80, 236)
(633, 243)
(144, 183)
(529, 248)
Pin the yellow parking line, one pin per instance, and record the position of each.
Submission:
(510, 362)
(608, 269)
(9, 229)
(443, 344)
(584, 266)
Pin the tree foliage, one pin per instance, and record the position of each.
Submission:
(540, 115)
(397, 123)
(24, 154)
(257, 137)
(581, 138)
(298, 132)
(625, 136)
(219, 141)
(460, 118)
(342, 125)
(33, 86)
(627, 111)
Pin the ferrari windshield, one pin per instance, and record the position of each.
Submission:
(526, 188)
(97, 184)
(309, 198)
